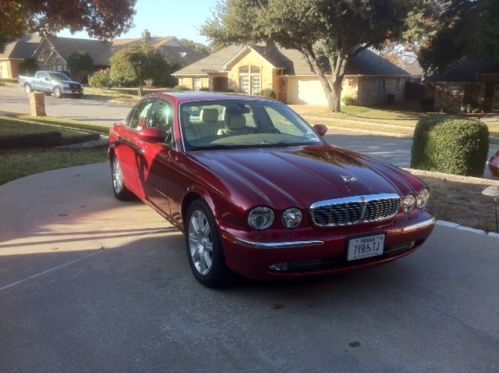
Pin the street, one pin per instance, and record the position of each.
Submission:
(89, 284)
(13, 99)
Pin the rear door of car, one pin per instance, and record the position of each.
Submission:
(130, 147)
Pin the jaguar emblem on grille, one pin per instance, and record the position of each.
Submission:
(348, 180)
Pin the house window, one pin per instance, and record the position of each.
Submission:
(397, 84)
(196, 84)
(250, 79)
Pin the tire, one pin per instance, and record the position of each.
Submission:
(27, 89)
(57, 92)
(120, 191)
(204, 248)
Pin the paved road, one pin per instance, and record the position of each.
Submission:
(13, 99)
(391, 149)
(91, 284)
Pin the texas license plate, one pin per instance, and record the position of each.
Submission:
(366, 247)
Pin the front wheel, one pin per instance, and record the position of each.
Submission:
(204, 249)
(27, 89)
(57, 92)
(120, 191)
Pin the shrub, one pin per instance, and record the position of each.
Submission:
(349, 100)
(455, 146)
(180, 88)
(427, 104)
(267, 92)
(204, 89)
(28, 66)
(100, 79)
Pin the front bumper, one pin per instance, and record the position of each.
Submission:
(320, 251)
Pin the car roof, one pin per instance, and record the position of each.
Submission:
(190, 96)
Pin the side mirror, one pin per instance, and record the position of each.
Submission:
(320, 129)
(152, 134)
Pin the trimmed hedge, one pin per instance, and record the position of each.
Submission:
(454, 146)
(267, 92)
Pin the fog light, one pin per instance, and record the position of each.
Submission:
(279, 267)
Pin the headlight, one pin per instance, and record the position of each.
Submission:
(260, 218)
(291, 218)
(422, 198)
(65, 85)
(408, 203)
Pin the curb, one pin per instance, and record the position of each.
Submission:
(449, 224)
(451, 177)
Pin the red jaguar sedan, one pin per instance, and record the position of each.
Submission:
(259, 192)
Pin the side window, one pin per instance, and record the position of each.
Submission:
(161, 115)
(139, 116)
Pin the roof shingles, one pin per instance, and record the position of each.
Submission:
(292, 61)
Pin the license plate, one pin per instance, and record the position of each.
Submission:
(366, 247)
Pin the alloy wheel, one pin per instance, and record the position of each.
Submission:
(200, 242)
(117, 176)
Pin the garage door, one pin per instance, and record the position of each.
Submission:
(305, 91)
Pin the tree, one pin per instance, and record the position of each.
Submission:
(327, 32)
(28, 66)
(198, 47)
(456, 29)
(80, 64)
(100, 18)
(138, 63)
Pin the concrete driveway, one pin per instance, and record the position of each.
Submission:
(88, 283)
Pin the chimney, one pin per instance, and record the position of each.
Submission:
(146, 35)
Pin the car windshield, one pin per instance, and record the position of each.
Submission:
(242, 123)
(59, 76)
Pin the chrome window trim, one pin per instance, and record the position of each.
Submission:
(364, 199)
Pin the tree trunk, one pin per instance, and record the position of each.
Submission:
(335, 105)
(332, 88)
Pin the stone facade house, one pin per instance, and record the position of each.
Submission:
(53, 51)
(174, 51)
(16, 52)
(466, 85)
(369, 78)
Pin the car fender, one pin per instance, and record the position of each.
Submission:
(202, 192)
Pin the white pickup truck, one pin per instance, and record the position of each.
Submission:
(51, 82)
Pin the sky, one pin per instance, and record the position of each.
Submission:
(180, 18)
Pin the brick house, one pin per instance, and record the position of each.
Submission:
(16, 52)
(468, 83)
(53, 51)
(369, 79)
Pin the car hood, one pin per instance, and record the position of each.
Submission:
(299, 176)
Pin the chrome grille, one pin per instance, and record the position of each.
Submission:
(355, 210)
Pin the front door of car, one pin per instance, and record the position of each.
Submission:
(131, 147)
(157, 163)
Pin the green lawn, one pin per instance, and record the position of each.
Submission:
(11, 127)
(119, 95)
(16, 163)
(67, 124)
(19, 163)
(377, 120)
